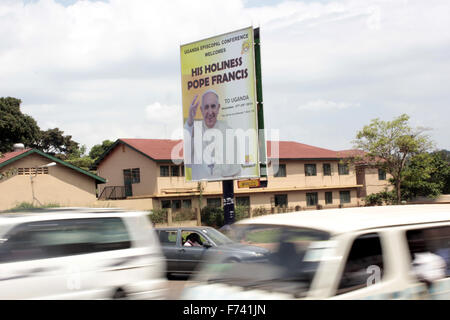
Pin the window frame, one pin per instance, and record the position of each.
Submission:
(161, 170)
(381, 174)
(325, 172)
(209, 200)
(340, 291)
(237, 199)
(343, 169)
(308, 194)
(314, 169)
(281, 173)
(341, 192)
(282, 195)
(177, 171)
(326, 199)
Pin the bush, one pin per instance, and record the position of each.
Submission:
(184, 215)
(241, 212)
(261, 211)
(23, 206)
(380, 198)
(212, 217)
(158, 216)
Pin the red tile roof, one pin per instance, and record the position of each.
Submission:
(9, 155)
(296, 150)
(157, 149)
(161, 149)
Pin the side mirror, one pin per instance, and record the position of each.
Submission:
(207, 244)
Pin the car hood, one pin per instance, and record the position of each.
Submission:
(242, 248)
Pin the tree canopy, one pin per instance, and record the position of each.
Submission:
(99, 149)
(427, 175)
(54, 142)
(390, 144)
(15, 126)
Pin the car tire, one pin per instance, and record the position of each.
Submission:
(120, 294)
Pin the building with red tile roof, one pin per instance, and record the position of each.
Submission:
(32, 176)
(308, 177)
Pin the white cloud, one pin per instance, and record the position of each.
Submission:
(96, 69)
(320, 105)
(159, 113)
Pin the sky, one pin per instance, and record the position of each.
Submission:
(111, 69)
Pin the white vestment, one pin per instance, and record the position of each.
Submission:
(210, 162)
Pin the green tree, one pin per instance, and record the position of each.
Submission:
(390, 144)
(16, 127)
(427, 175)
(80, 159)
(54, 142)
(99, 149)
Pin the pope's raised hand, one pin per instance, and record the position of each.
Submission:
(193, 110)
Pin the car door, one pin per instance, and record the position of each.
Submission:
(190, 257)
(170, 244)
(29, 269)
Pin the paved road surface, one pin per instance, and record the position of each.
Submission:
(176, 285)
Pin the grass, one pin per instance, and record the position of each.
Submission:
(24, 206)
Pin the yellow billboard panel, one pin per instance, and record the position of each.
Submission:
(219, 107)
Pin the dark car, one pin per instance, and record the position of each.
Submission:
(185, 258)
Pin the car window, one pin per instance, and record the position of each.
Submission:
(364, 265)
(274, 258)
(56, 238)
(435, 240)
(186, 233)
(168, 237)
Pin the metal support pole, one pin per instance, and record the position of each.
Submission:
(228, 201)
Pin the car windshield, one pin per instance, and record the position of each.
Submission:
(218, 237)
(287, 262)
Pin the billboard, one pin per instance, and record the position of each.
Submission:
(220, 117)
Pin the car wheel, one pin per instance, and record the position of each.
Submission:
(231, 260)
(120, 294)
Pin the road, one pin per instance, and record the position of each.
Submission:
(176, 285)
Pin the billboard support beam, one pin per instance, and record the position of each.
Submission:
(228, 201)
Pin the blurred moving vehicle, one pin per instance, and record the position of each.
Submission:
(184, 258)
(387, 252)
(80, 253)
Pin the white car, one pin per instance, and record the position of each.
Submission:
(80, 253)
(387, 252)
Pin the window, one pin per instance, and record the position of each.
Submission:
(132, 175)
(312, 199)
(186, 233)
(281, 171)
(31, 171)
(343, 168)
(58, 238)
(176, 204)
(165, 204)
(214, 202)
(281, 200)
(135, 175)
(381, 174)
(243, 201)
(327, 169)
(167, 238)
(328, 197)
(435, 240)
(310, 170)
(175, 171)
(364, 264)
(164, 171)
(344, 196)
